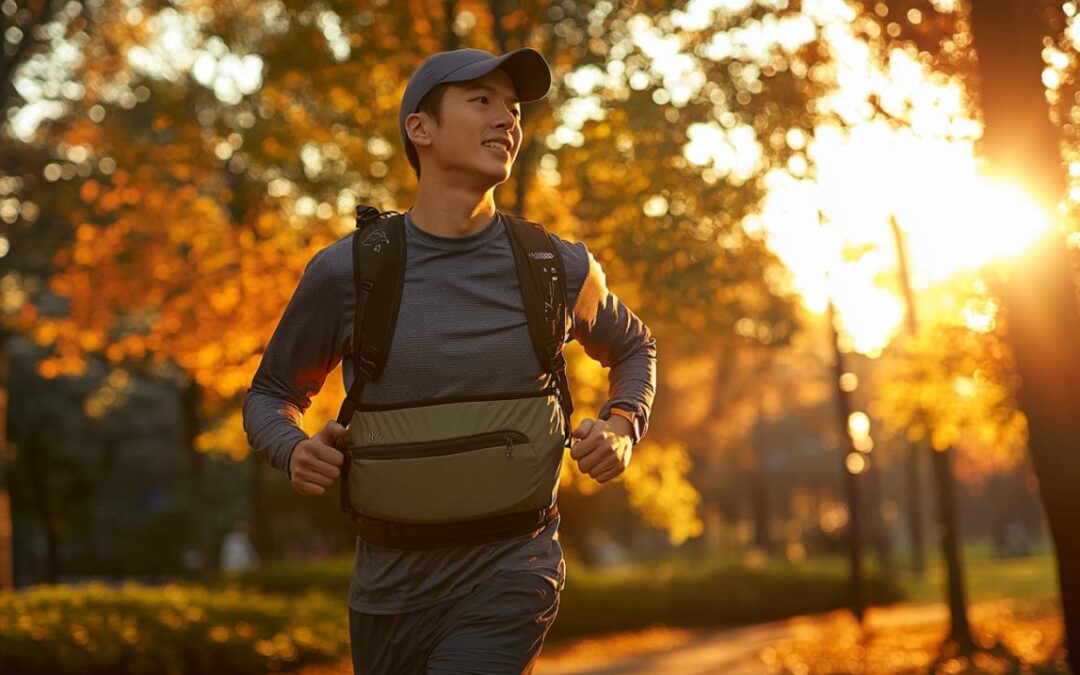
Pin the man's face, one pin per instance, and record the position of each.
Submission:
(479, 129)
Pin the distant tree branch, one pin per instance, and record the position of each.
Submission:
(449, 13)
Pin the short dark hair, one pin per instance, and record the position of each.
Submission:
(432, 105)
(432, 101)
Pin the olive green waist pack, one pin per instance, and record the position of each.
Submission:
(455, 462)
(463, 471)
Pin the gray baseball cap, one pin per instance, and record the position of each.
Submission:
(526, 67)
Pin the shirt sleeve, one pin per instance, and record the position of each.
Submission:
(305, 347)
(613, 335)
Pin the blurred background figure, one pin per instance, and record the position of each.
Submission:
(238, 554)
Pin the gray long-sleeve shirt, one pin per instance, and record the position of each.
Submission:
(461, 331)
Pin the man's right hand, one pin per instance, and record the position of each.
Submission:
(315, 463)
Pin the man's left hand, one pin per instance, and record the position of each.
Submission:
(604, 448)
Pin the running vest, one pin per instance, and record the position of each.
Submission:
(461, 471)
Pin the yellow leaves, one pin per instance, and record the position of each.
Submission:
(91, 340)
(182, 172)
(293, 79)
(114, 353)
(656, 482)
(944, 435)
(952, 388)
(27, 316)
(227, 437)
(171, 323)
(161, 123)
(268, 222)
(325, 405)
(225, 300)
(48, 368)
(340, 98)
(571, 478)
(66, 365)
(85, 233)
(657, 486)
(45, 333)
(110, 201)
(82, 131)
(155, 200)
(209, 355)
(162, 272)
(89, 191)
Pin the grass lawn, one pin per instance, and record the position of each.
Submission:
(988, 578)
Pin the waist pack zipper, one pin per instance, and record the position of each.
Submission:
(375, 407)
(449, 446)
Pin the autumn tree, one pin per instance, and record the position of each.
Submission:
(216, 148)
(1016, 61)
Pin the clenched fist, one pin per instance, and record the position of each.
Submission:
(316, 463)
(604, 449)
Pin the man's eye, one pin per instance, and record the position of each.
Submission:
(481, 98)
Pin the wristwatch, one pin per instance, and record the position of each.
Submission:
(632, 418)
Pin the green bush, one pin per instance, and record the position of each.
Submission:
(688, 595)
(231, 630)
(172, 630)
(681, 592)
(330, 576)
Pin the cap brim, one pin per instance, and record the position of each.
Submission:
(526, 67)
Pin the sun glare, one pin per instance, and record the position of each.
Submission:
(953, 218)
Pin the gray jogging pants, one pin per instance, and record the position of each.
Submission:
(498, 629)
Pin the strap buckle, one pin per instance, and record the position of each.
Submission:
(365, 363)
(365, 213)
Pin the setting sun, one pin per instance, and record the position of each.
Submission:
(837, 226)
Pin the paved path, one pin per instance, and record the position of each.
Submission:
(732, 651)
(713, 652)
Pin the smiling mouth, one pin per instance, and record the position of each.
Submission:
(497, 147)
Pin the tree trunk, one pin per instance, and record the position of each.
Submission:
(1039, 296)
(199, 526)
(944, 480)
(258, 529)
(914, 460)
(880, 540)
(449, 14)
(915, 510)
(959, 629)
(36, 459)
(759, 498)
(851, 480)
(7, 558)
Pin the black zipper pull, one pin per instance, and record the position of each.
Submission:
(509, 446)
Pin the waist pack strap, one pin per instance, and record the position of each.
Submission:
(412, 536)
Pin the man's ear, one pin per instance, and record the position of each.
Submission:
(418, 129)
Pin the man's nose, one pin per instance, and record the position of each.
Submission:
(505, 119)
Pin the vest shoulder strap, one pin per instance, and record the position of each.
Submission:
(378, 246)
(542, 277)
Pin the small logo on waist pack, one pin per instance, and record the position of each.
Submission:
(377, 238)
(374, 438)
(541, 255)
